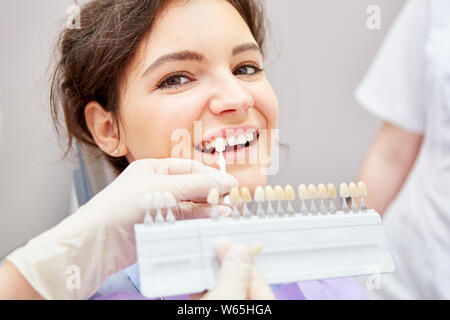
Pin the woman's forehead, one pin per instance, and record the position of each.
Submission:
(197, 25)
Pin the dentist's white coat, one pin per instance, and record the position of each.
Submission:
(408, 85)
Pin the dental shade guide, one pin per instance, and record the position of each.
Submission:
(259, 198)
(303, 195)
(353, 194)
(170, 203)
(331, 193)
(213, 199)
(219, 145)
(344, 193)
(158, 204)
(178, 257)
(362, 190)
(322, 194)
(270, 197)
(312, 190)
(235, 199)
(220, 148)
(290, 196)
(246, 197)
(279, 193)
(146, 204)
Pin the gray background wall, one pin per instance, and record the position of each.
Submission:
(319, 50)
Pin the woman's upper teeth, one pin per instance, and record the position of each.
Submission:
(221, 143)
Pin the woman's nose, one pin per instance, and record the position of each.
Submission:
(229, 96)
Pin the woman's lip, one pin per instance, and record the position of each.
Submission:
(216, 133)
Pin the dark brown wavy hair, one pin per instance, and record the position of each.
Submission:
(93, 59)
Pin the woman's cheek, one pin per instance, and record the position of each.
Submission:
(267, 102)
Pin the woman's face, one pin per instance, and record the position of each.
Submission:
(211, 76)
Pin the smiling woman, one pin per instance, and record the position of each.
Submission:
(136, 72)
(125, 86)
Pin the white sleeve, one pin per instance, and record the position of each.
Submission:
(393, 88)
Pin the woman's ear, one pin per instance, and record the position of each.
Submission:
(104, 130)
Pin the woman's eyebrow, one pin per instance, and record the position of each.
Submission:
(245, 47)
(192, 55)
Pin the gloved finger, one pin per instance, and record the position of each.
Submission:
(192, 210)
(258, 288)
(186, 187)
(235, 271)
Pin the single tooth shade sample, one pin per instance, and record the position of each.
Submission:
(220, 144)
(146, 201)
(353, 190)
(259, 194)
(213, 196)
(303, 193)
(270, 194)
(343, 190)
(289, 192)
(279, 193)
(322, 191)
(312, 191)
(331, 191)
(170, 200)
(362, 189)
(235, 197)
(158, 200)
(246, 195)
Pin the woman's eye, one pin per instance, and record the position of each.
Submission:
(173, 81)
(247, 70)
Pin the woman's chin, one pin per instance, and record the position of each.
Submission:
(248, 175)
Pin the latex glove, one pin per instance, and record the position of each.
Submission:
(239, 278)
(72, 260)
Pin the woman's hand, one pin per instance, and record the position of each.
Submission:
(239, 278)
(72, 260)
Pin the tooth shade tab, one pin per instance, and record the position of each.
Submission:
(259, 194)
(158, 200)
(235, 197)
(170, 200)
(322, 191)
(331, 191)
(312, 191)
(219, 144)
(213, 196)
(362, 189)
(270, 194)
(289, 192)
(279, 193)
(303, 193)
(353, 190)
(146, 201)
(343, 190)
(246, 196)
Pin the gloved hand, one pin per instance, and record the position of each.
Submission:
(239, 278)
(98, 239)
